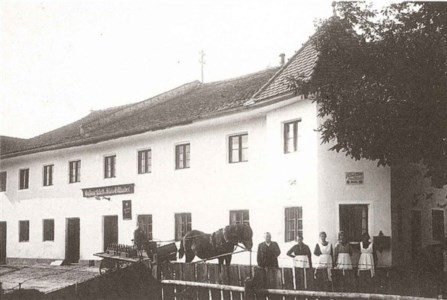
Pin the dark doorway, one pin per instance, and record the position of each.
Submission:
(353, 220)
(2, 243)
(110, 230)
(416, 233)
(145, 222)
(72, 241)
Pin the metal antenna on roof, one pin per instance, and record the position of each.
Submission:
(202, 61)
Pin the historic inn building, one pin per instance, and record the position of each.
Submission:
(200, 156)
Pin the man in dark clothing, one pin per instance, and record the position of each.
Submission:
(268, 252)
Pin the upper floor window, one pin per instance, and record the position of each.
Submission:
(48, 230)
(182, 156)
(23, 231)
(74, 171)
(3, 181)
(23, 179)
(293, 223)
(182, 225)
(144, 161)
(238, 148)
(291, 136)
(239, 217)
(48, 175)
(109, 166)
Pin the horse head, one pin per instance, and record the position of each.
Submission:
(239, 233)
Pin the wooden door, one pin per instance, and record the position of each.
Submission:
(2, 243)
(145, 222)
(416, 233)
(72, 242)
(110, 230)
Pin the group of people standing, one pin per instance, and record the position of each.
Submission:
(338, 257)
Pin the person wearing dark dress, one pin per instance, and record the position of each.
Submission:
(301, 253)
(268, 252)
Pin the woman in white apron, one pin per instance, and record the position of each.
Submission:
(368, 256)
(324, 264)
(302, 261)
(342, 253)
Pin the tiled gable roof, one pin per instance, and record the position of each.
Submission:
(302, 63)
(11, 144)
(179, 106)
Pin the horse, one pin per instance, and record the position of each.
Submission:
(203, 245)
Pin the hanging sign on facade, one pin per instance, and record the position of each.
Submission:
(354, 178)
(127, 209)
(109, 190)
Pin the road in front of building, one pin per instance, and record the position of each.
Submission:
(43, 277)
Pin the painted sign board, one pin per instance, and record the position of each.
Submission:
(109, 190)
(127, 209)
(354, 178)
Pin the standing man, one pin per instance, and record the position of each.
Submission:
(268, 252)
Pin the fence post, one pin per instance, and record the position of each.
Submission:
(249, 289)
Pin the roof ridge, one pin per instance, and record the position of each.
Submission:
(276, 75)
(241, 76)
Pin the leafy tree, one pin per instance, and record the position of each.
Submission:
(381, 84)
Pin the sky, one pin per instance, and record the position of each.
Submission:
(59, 60)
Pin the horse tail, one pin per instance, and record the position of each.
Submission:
(181, 250)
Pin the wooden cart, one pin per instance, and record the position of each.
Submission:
(114, 260)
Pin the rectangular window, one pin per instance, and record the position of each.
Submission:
(293, 223)
(353, 221)
(238, 148)
(239, 217)
(23, 179)
(145, 222)
(48, 175)
(109, 166)
(144, 161)
(182, 225)
(3, 181)
(291, 136)
(74, 171)
(48, 230)
(182, 156)
(23, 231)
(437, 221)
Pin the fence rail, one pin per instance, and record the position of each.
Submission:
(181, 281)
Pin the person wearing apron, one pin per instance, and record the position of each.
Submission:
(342, 253)
(302, 261)
(367, 264)
(343, 274)
(324, 264)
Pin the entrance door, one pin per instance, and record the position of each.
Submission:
(416, 233)
(2, 243)
(353, 220)
(110, 230)
(72, 242)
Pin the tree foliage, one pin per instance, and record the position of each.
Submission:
(381, 83)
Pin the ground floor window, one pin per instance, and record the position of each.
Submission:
(437, 221)
(239, 217)
(353, 221)
(145, 222)
(23, 231)
(182, 225)
(48, 230)
(293, 223)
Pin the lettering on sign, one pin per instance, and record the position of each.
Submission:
(109, 190)
(354, 178)
(127, 210)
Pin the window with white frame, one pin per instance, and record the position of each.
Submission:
(238, 148)
(48, 175)
(291, 136)
(109, 166)
(293, 223)
(239, 217)
(74, 171)
(182, 156)
(144, 161)
(23, 179)
(183, 224)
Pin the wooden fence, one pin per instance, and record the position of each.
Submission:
(202, 281)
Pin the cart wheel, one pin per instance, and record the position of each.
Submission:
(106, 266)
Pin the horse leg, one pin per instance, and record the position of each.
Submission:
(189, 256)
(228, 260)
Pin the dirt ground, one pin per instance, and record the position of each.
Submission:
(43, 277)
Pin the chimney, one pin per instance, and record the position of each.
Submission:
(283, 58)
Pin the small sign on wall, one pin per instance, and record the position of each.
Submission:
(127, 209)
(354, 178)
